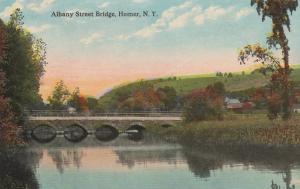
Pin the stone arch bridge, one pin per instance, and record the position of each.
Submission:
(61, 122)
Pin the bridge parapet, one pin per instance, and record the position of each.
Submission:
(64, 113)
(74, 127)
(119, 121)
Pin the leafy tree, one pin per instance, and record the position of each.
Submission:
(23, 61)
(277, 86)
(259, 97)
(142, 100)
(278, 11)
(77, 101)
(217, 88)
(59, 97)
(8, 127)
(38, 104)
(73, 98)
(92, 103)
(2, 41)
(83, 105)
(168, 96)
(205, 104)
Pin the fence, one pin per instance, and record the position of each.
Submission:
(63, 113)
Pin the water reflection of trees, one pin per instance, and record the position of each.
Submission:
(65, 158)
(16, 170)
(287, 178)
(132, 157)
(202, 165)
(281, 160)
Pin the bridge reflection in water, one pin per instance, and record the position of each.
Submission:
(149, 163)
(46, 126)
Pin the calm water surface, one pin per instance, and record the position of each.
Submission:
(150, 164)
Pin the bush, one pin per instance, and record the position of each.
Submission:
(205, 104)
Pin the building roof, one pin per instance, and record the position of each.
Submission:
(296, 106)
(235, 105)
(233, 101)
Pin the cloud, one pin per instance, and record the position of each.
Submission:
(187, 13)
(38, 29)
(122, 37)
(199, 19)
(179, 16)
(104, 5)
(9, 9)
(166, 18)
(213, 13)
(180, 21)
(183, 19)
(139, 1)
(244, 12)
(94, 37)
(39, 7)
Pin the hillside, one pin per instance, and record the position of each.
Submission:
(185, 84)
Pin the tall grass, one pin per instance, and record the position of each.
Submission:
(237, 130)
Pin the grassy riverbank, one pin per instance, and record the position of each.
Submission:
(237, 130)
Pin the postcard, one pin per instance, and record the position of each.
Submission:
(149, 94)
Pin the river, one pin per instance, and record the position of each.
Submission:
(150, 163)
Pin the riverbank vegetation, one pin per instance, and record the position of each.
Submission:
(236, 130)
(205, 104)
(62, 99)
(22, 61)
(280, 87)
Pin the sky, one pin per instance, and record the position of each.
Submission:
(185, 37)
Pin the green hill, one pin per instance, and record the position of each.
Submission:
(185, 84)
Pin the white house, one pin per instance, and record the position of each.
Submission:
(296, 108)
(233, 103)
(71, 110)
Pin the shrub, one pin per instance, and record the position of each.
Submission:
(205, 104)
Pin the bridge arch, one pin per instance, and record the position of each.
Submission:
(75, 133)
(43, 133)
(136, 126)
(106, 132)
(166, 125)
(136, 131)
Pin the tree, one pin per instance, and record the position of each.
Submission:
(168, 96)
(259, 97)
(277, 85)
(205, 104)
(143, 99)
(92, 103)
(83, 105)
(219, 74)
(73, 98)
(23, 63)
(278, 11)
(59, 97)
(8, 129)
(77, 101)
